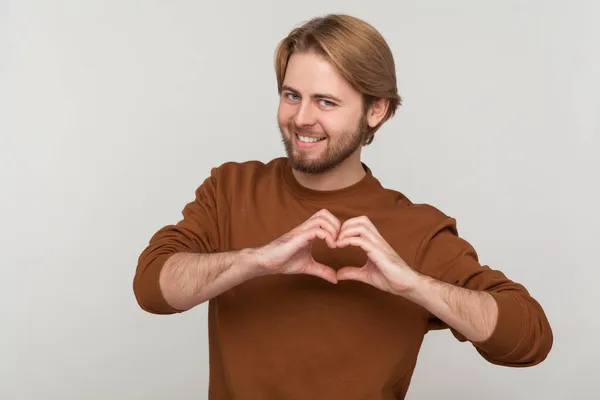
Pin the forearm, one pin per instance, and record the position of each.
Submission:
(472, 313)
(189, 279)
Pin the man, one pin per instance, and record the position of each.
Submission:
(321, 283)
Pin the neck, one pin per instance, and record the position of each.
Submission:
(343, 175)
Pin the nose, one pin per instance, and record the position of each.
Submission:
(305, 115)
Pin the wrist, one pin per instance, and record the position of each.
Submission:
(251, 263)
(420, 290)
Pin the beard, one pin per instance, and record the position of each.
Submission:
(336, 150)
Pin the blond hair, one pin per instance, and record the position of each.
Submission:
(356, 48)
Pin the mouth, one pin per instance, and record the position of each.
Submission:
(308, 141)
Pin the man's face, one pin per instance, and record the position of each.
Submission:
(320, 115)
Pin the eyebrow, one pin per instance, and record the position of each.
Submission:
(314, 96)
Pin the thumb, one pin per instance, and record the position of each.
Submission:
(352, 273)
(322, 271)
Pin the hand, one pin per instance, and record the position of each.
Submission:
(291, 253)
(384, 269)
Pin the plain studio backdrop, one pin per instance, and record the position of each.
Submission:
(113, 112)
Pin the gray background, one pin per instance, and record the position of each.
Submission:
(113, 112)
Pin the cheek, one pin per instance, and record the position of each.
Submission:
(335, 125)
(284, 113)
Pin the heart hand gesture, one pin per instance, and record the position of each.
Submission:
(384, 268)
(291, 253)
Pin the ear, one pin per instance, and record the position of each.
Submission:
(376, 111)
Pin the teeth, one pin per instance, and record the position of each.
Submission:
(309, 139)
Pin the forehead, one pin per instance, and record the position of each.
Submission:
(311, 73)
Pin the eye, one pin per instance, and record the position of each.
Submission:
(327, 103)
(292, 96)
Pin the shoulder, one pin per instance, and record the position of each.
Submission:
(431, 217)
(237, 175)
(422, 214)
(429, 234)
(247, 169)
(419, 220)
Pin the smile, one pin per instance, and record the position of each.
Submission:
(309, 139)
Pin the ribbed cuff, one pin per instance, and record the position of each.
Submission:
(148, 293)
(508, 333)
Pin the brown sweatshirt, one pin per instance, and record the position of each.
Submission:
(301, 337)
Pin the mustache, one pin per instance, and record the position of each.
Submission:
(307, 131)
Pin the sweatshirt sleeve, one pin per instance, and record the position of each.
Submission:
(197, 232)
(523, 336)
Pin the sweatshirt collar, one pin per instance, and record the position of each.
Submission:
(357, 190)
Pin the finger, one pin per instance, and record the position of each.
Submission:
(333, 220)
(358, 231)
(305, 237)
(378, 256)
(352, 273)
(363, 221)
(358, 241)
(321, 223)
